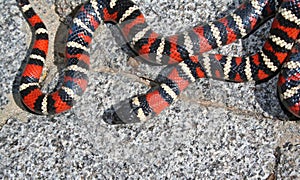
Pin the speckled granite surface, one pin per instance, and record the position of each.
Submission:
(216, 130)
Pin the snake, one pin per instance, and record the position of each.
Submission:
(281, 44)
(150, 45)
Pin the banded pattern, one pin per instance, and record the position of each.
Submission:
(162, 50)
(284, 32)
(289, 81)
(77, 53)
(142, 39)
(157, 49)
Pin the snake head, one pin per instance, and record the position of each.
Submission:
(122, 113)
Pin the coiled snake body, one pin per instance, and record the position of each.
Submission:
(181, 48)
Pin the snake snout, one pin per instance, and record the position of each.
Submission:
(110, 117)
(121, 113)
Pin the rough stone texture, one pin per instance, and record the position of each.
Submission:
(216, 130)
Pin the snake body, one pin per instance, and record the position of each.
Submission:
(289, 82)
(280, 44)
(179, 48)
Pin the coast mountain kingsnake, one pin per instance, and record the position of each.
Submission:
(181, 48)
